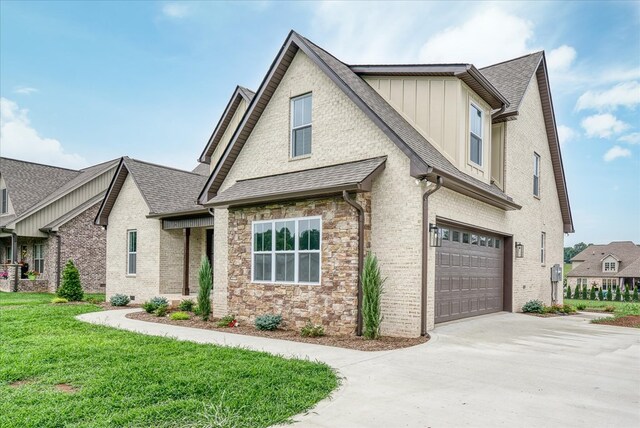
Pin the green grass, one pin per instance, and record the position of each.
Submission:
(127, 379)
(622, 308)
(565, 271)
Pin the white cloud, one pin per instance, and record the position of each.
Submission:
(474, 41)
(603, 125)
(566, 134)
(21, 141)
(25, 90)
(633, 138)
(616, 152)
(176, 10)
(625, 94)
(561, 58)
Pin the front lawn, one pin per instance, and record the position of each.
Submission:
(56, 371)
(626, 314)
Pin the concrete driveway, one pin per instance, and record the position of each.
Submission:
(495, 370)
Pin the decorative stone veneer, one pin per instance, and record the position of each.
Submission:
(333, 303)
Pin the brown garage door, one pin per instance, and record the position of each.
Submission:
(469, 274)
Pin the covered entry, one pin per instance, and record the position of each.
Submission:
(469, 273)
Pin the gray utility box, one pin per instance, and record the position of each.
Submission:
(556, 273)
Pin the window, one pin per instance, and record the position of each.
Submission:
(465, 238)
(490, 242)
(498, 243)
(475, 135)
(483, 241)
(610, 266)
(301, 126)
(132, 252)
(445, 234)
(4, 201)
(8, 251)
(543, 238)
(455, 236)
(474, 239)
(536, 174)
(38, 258)
(293, 256)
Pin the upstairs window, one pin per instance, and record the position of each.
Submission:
(301, 126)
(536, 174)
(132, 252)
(475, 135)
(610, 266)
(4, 201)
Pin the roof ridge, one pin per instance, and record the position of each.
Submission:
(40, 164)
(99, 163)
(512, 59)
(162, 166)
(412, 64)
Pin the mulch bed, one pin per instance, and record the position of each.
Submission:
(349, 342)
(623, 321)
(547, 315)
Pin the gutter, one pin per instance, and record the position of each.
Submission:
(425, 252)
(14, 254)
(360, 210)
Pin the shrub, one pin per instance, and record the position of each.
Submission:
(179, 316)
(568, 291)
(93, 300)
(59, 300)
(154, 303)
(576, 294)
(119, 300)
(584, 292)
(600, 295)
(268, 322)
(533, 306)
(161, 310)
(567, 309)
(311, 330)
(372, 289)
(627, 295)
(635, 294)
(592, 293)
(205, 279)
(609, 294)
(581, 306)
(228, 321)
(630, 309)
(186, 305)
(553, 309)
(618, 296)
(609, 308)
(71, 288)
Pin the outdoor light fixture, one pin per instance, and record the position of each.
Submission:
(519, 250)
(435, 235)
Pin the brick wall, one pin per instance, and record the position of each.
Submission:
(172, 260)
(333, 303)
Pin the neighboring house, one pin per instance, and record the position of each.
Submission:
(606, 266)
(46, 217)
(156, 232)
(332, 160)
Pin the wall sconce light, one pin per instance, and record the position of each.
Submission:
(519, 250)
(435, 235)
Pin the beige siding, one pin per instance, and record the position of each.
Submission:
(31, 225)
(438, 107)
(10, 209)
(228, 133)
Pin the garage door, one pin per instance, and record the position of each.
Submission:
(469, 274)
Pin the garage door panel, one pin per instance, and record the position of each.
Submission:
(469, 279)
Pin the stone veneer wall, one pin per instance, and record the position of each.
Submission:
(333, 303)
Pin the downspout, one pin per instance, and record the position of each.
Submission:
(425, 253)
(58, 259)
(358, 207)
(14, 254)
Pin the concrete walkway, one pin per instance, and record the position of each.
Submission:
(496, 370)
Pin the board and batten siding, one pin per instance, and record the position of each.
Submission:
(31, 225)
(228, 133)
(438, 107)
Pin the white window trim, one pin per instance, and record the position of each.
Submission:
(41, 258)
(296, 251)
(536, 157)
(129, 273)
(482, 112)
(295, 128)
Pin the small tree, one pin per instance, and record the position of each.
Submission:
(635, 293)
(609, 294)
(618, 294)
(576, 295)
(627, 294)
(372, 288)
(71, 288)
(568, 291)
(205, 278)
(584, 291)
(592, 294)
(600, 294)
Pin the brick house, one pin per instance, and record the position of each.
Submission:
(606, 266)
(46, 217)
(450, 174)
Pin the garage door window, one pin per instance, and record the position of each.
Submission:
(455, 236)
(474, 239)
(445, 234)
(490, 242)
(497, 243)
(465, 238)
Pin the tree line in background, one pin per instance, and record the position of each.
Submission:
(570, 252)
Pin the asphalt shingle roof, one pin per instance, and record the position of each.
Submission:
(591, 257)
(201, 169)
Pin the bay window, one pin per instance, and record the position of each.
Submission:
(287, 250)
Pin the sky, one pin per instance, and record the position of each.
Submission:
(85, 82)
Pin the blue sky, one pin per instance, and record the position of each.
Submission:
(86, 82)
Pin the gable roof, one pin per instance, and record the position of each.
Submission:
(201, 169)
(29, 182)
(626, 252)
(426, 160)
(167, 191)
(239, 94)
(512, 78)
